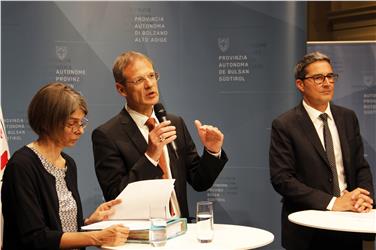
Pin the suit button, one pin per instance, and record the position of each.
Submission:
(330, 180)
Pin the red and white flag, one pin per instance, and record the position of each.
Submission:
(4, 154)
(4, 149)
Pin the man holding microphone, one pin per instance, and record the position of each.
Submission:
(134, 145)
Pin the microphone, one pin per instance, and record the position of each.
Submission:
(160, 112)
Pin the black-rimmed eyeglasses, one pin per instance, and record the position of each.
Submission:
(319, 78)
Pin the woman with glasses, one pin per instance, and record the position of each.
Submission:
(41, 203)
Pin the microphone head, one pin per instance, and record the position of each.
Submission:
(159, 111)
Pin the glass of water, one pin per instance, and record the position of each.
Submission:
(204, 221)
(158, 224)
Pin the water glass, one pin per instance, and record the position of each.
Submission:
(158, 225)
(204, 221)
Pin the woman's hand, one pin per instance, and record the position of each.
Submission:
(102, 212)
(110, 236)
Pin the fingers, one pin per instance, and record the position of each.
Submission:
(114, 202)
(104, 211)
(364, 203)
(109, 204)
(362, 207)
(104, 215)
(210, 136)
(214, 132)
(115, 235)
(198, 124)
(166, 135)
(356, 192)
(360, 193)
(206, 128)
(209, 130)
(366, 198)
(163, 133)
(121, 234)
(356, 201)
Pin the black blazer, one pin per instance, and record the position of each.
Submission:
(30, 202)
(119, 148)
(300, 170)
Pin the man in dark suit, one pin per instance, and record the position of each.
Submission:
(317, 164)
(126, 149)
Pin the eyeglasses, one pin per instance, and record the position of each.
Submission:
(319, 79)
(153, 76)
(75, 126)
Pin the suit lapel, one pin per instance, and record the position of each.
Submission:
(171, 154)
(311, 132)
(131, 129)
(339, 121)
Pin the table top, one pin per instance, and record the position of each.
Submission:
(338, 221)
(225, 237)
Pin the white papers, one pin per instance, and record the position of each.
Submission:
(131, 224)
(138, 196)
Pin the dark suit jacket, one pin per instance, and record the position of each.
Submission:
(300, 170)
(119, 149)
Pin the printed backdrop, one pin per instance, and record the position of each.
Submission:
(229, 64)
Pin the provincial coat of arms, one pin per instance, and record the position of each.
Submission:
(368, 80)
(223, 43)
(61, 52)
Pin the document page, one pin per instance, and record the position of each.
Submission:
(131, 224)
(138, 196)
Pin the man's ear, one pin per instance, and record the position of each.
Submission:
(299, 85)
(121, 89)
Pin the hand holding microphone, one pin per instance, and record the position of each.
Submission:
(162, 134)
(160, 112)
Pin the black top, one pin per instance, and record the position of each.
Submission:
(30, 202)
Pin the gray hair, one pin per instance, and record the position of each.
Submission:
(300, 67)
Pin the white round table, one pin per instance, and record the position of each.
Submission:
(338, 221)
(229, 237)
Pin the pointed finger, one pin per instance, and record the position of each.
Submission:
(198, 124)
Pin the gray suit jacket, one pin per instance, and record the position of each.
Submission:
(119, 149)
(300, 170)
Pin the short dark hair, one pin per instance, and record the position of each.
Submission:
(51, 107)
(300, 67)
(122, 61)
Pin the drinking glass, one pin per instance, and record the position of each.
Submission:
(158, 224)
(204, 221)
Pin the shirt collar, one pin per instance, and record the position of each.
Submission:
(138, 118)
(315, 114)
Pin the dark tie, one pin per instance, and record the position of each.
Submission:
(150, 123)
(330, 153)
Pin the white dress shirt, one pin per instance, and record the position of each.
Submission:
(140, 121)
(319, 126)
